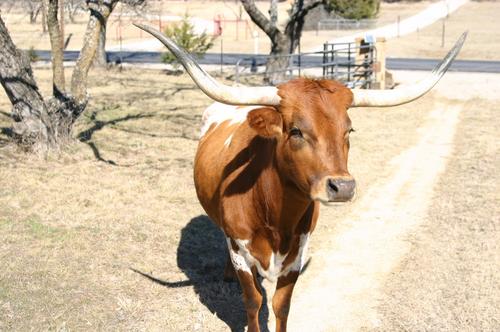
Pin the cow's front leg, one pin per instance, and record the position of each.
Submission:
(252, 296)
(247, 276)
(282, 298)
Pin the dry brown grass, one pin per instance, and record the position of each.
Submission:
(450, 280)
(73, 228)
(483, 42)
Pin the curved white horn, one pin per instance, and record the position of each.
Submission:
(220, 92)
(407, 92)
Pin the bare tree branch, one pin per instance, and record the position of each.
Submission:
(56, 42)
(301, 10)
(260, 19)
(273, 12)
(296, 22)
(34, 7)
(72, 7)
(99, 13)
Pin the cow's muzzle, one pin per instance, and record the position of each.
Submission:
(340, 189)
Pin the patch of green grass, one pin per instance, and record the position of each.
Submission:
(3, 291)
(39, 230)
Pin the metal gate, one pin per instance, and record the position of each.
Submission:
(350, 63)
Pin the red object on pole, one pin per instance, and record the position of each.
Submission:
(217, 26)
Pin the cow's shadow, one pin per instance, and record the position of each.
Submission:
(202, 255)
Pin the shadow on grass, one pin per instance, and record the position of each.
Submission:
(7, 115)
(6, 136)
(85, 136)
(202, 255)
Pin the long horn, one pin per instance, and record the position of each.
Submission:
(215, 90)
(407, 92)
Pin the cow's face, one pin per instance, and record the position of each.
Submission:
(312, 130)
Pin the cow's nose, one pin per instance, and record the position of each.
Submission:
(340, 189)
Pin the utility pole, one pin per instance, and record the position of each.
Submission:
(399, 20)
(443, 32)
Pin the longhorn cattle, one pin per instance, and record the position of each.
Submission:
(266, 158)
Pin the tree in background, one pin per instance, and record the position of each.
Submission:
(72, 7)
(101, 59)
(184, 35)
(41, 124)
(285, 40)
(354, 9)
(33, 7)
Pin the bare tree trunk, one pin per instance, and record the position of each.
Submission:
(101, 60)
(278, 62)
(29, 112)
(282, 43)
(99, 14)
(44, 16)
(61, 21)
(56, 42)
(34, 11)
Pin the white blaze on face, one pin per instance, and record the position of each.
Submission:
(218, 113)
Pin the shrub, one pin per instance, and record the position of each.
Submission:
(355, 9)
(183, 34)
(31, 53)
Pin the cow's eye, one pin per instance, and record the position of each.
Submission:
(295, 132)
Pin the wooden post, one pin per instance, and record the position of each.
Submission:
(399, 19)
(443, 32)
(221, 55)
(379, 67)
(359, 54)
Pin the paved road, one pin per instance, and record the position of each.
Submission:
(307, 61)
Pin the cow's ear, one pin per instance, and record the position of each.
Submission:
(266, 121)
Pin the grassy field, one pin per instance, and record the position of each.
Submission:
(109, 235)
(477, 17)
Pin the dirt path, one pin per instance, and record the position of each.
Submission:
(449, 281)
(369, 244)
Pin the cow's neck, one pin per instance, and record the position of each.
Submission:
(285, 204)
